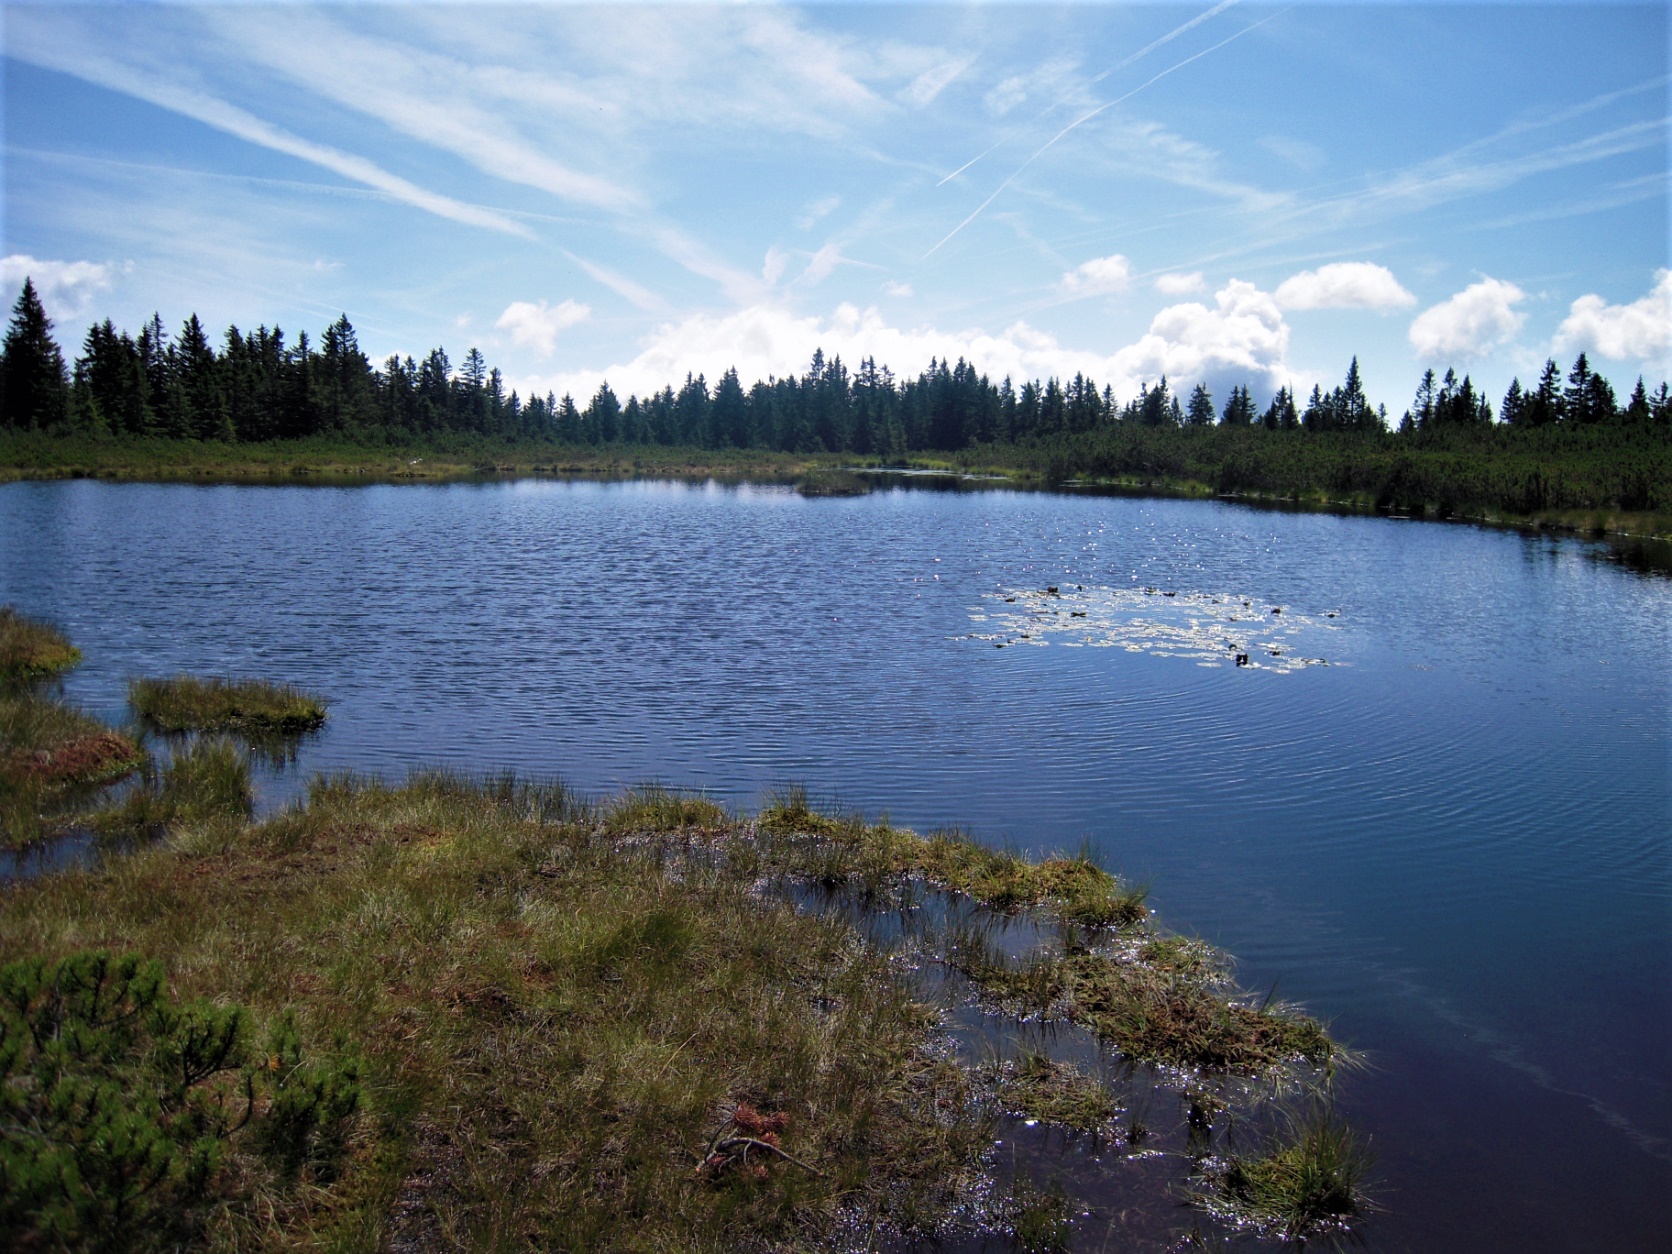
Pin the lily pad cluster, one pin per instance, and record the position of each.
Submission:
(1209, 628)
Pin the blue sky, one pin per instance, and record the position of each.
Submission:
(1233, 192)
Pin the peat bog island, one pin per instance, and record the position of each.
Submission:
(893, 628)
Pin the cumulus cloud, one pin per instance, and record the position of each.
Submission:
(1640, 331)
(1344, 285)
(1477, 319)
(1098, 276)
(895, 288)
(66, 288)
(538, 326)
(1241, 338)
(1180, 284)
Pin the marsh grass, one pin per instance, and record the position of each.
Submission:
(832, 481)
(250, 706)
(31, 649)
(551, 1022)
(53, 756)
(652, 808)
(1074, 889)
(1308, 1184)
(205, 781)
(1037, 1086)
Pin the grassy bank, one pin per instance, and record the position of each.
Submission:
(582, 1026)
(35, 455)
(1606, 481)
(30, 649)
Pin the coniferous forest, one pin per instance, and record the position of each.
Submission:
(1563, 442)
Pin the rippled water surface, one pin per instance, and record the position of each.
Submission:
(1451, 838)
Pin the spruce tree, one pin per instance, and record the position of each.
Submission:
(34, 387)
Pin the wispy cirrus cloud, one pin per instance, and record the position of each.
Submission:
(48, 47)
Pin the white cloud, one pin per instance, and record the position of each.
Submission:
(1001, 99)
(1477, 319)
(1344, 285)
(1242, 338)
(41, 45)
(538, 326)
(1180, 284)
(66, 288)
(1097, 276)
(1640, 331)
(929, 84)
(895, 288)
(820, 208)
(822, 264)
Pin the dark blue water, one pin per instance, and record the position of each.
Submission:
(1454, 841)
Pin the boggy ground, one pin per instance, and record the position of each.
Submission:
(554, 1024)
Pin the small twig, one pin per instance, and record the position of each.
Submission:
(746, 1142)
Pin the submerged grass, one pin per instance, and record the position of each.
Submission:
(51, 755)
(1037, 1086)
(31, 649)
(188, 703)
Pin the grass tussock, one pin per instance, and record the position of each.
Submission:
(51, 756)
(252, 706)
(1309, 1184)
(833, 481)
(555, 1032)
(1037, 1086)
(31, 649)
(658, 810)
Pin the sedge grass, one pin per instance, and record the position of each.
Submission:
(51, 756)
(252, 706)
(31, 649)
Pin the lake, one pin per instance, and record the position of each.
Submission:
(1435, 807)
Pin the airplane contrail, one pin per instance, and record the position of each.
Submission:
(1088, 116)
(1142, 52)
(1168, 38)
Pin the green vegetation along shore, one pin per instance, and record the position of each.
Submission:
(1565, 451)
(484, 1013)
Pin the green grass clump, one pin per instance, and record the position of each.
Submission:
(253, 706)
(206, 781)
(654, 809)
(31, 649)
(51, 756)
(130, 1117)
(833, 481)
(1310, 1185)
(1036, 1086)
(558, 1032)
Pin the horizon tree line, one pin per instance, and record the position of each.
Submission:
(258, 386)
